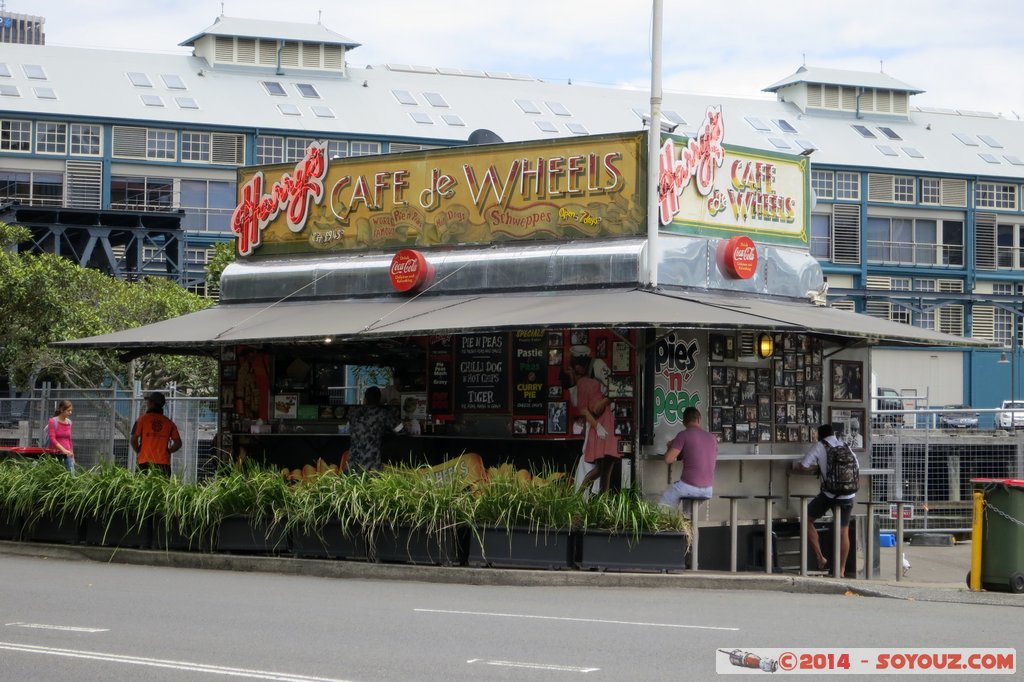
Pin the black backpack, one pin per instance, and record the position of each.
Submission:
(843, 472)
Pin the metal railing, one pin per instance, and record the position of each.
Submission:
(102, 422)
(932, 455)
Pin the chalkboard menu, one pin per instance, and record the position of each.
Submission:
(439, 376)
(482, 368)
(529, 367)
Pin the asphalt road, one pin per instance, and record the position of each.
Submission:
(83, 620)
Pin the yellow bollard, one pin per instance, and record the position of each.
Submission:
(976, 529)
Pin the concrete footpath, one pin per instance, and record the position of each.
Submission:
(936, 573)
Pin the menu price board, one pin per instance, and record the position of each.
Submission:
(439, 377)
(482, 366)
(529, 358)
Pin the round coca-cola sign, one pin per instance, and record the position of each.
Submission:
(739, 257)
(410, 270)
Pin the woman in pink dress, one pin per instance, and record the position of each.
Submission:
(600, 446)
(60, 433)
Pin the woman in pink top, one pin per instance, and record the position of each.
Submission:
(60, 433)
(600, 446)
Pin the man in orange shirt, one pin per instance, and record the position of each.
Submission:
(155, 437)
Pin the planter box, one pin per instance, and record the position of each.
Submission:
(245, 535)
(416, 546)
(51, 528)
(329, 543)
(649, 552)
(522, 548)
(173, 539)
(10, 528)
(119, 532)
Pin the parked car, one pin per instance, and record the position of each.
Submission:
(887, 399)
(958, 419)
(1011, 420)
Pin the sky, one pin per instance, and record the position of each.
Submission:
(964, 55)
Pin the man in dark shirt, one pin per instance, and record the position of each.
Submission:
(368, 424)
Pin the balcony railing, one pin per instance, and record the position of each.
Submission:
(905, 253)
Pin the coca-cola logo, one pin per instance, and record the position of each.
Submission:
(410, 270)
(738, 257)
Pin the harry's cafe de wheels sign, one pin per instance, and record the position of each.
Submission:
(549, 190)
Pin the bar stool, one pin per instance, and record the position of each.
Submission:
(869, 552)
(733, 523)
(803, 530)
(694, 513)
(768, 500)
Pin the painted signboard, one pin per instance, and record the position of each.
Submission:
(680, 365)
(556, 190)
(711, 189)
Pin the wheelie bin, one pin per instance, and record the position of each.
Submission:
(1002, 542)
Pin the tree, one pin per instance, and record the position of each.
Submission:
(48, 298)
(223, 256)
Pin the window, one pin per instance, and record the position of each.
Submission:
(273, 88)
(889, 133)
(671, 115)
(295, 148)
(139, 79)
(779, 143)
(269, 149)
(85, 139)
(823, 184)
(289, 109)
(577, 128)
(337, 149)
(323, 112)
(15, 136)
(452, 120)
(903, 189)
(208, 204)
(864, 131)
(195, 147)
(913, 152)
(5, 72)
(821, 235)
(993, 195)
(1010, 245)
(886, 150)
(1003, 322)
(141, 193)
(900, 313)
(160, 144)
(45, 93)
(404, 97)
(848, 185)
(51, 138)
(421, 117)
(1014, 160)
(172, 81)
(931, 191)
(966, 139)
(784, 125)
(925, 318)
(557, 108)
(435, 99)
(990, 141)
(757, 124)
(152, 100)
(989, 158)
(546, 126)
(363, 148)
(32, 188)
(527, 106)
(34, 71)
(9, 90)
(915, 241)
(307, 90)
(806, 144)
(186, 102)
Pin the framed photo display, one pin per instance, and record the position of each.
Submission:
(847, 381)
(848, 425)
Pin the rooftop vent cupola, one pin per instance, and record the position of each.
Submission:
(858, 93)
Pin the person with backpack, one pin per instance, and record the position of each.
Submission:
(839, 470)
(58, 434)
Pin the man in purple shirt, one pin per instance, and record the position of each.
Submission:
(698, 451)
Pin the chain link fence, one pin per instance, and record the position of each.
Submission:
(102, 422)
(929, 464)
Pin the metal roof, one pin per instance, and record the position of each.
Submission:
(92, 84)
(272, 30)
(867, 79)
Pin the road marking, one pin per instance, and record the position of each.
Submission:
(578, 620)
(535, 666)
(161, 663)
(67, 628)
